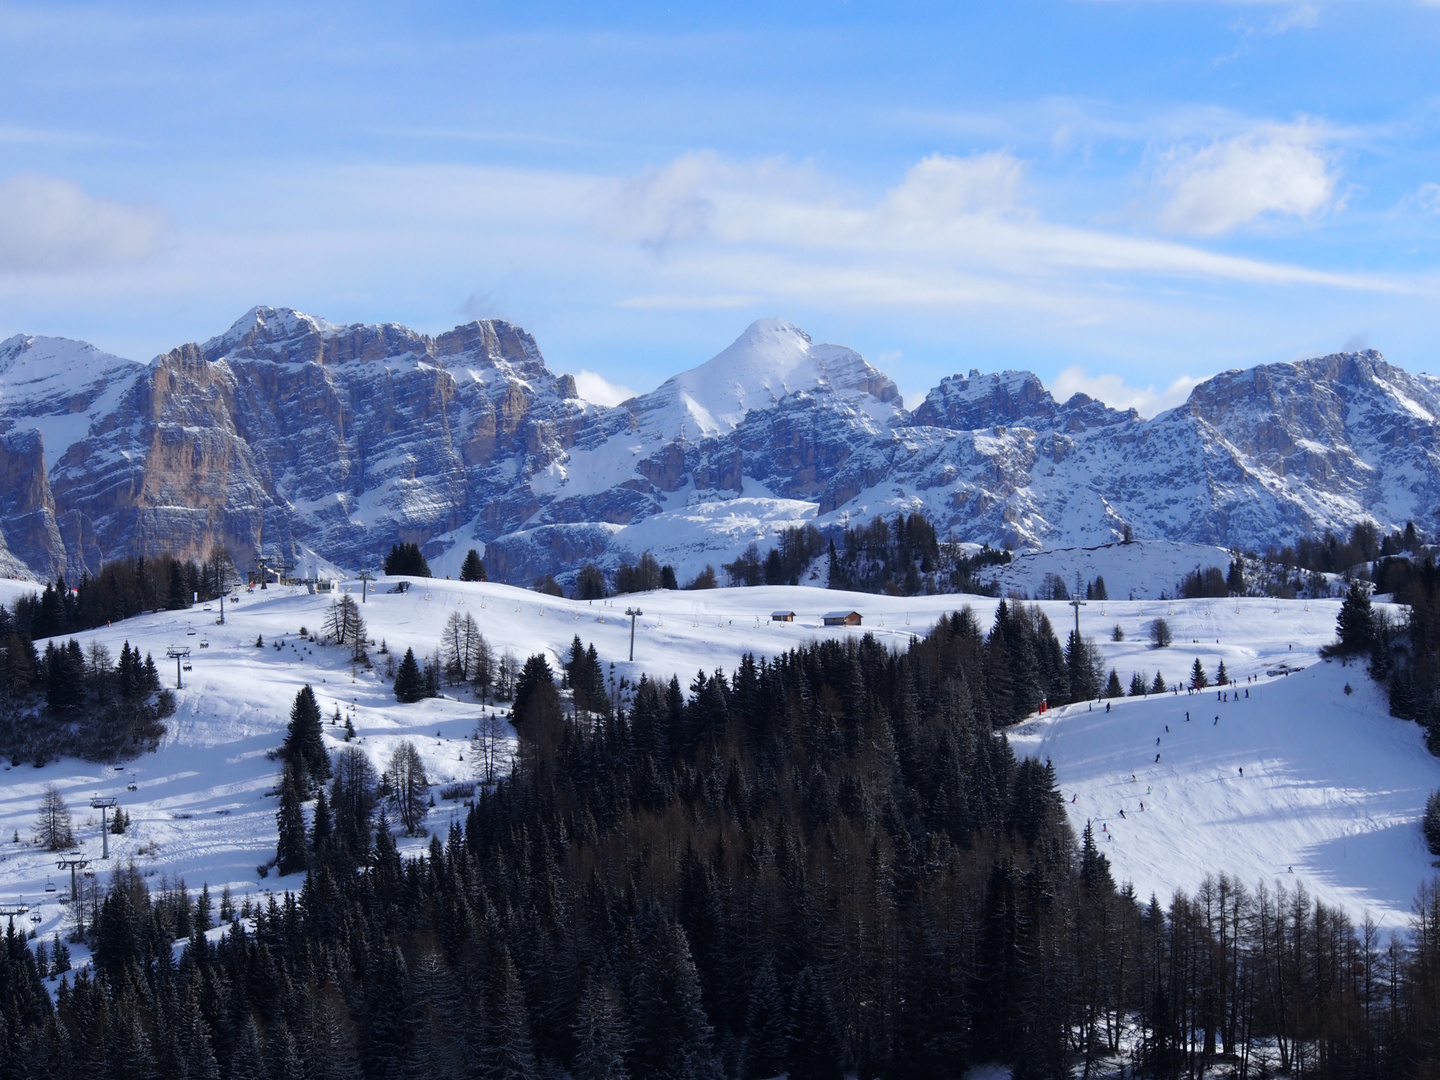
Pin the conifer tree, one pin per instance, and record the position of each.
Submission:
(1222, 677)
(1355, 626)
(1158, 686)
(304, 748)
(409, 683)
(601, 1040)
(1137, 685)
(672, 1035)
(1113, 689)
(1198, 679)
(473, 569)
(203, 911)
(411, 789)
(320, 829)
(52, 825)
(290, 851)
(508, 1053)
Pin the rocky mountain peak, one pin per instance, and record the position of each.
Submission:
(768, 361)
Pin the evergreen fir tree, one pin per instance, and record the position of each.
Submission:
(1113, 689)
(473, 569)
(203, 912)
(304, 748)
(1198, 679)
(672, 1035)
(1158, 686)
(1222, 677)
(601, 1041)
(409, 683)
(1355, 626)
(508, 1053)
(1137, 685)
(406, 559)
(320, 829)
(290, 851)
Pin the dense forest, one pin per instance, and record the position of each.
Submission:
(826, 862)
(77, 701)
(82, 701)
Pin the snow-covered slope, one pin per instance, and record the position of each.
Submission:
(1301, 781)
(1333, 786)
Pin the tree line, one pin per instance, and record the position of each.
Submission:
(121, 589)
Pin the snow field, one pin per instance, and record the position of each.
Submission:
(1340, 807)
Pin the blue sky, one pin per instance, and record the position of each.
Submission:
(1122, 197)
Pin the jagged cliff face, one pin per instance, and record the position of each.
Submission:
(327, 442)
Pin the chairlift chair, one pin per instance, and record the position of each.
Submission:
(49, 884)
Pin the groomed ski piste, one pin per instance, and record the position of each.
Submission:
(1331, 796)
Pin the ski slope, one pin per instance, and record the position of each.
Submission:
(1333, 785)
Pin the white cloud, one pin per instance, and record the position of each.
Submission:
(941, 188)
(600, 390)
(1279, 170)
(1118, 394)
(48, 224)
(952, 233)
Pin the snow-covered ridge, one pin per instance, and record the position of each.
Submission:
(290, 431)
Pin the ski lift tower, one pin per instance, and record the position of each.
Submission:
(74, 862)
(178, 653)
(104, 805)
(1077, 604)
(634, 614)
(365, 578)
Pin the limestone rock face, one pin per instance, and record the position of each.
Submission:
(288, 434)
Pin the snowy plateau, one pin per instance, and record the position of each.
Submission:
(327, 444)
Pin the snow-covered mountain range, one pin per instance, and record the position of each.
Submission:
(329, 443)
